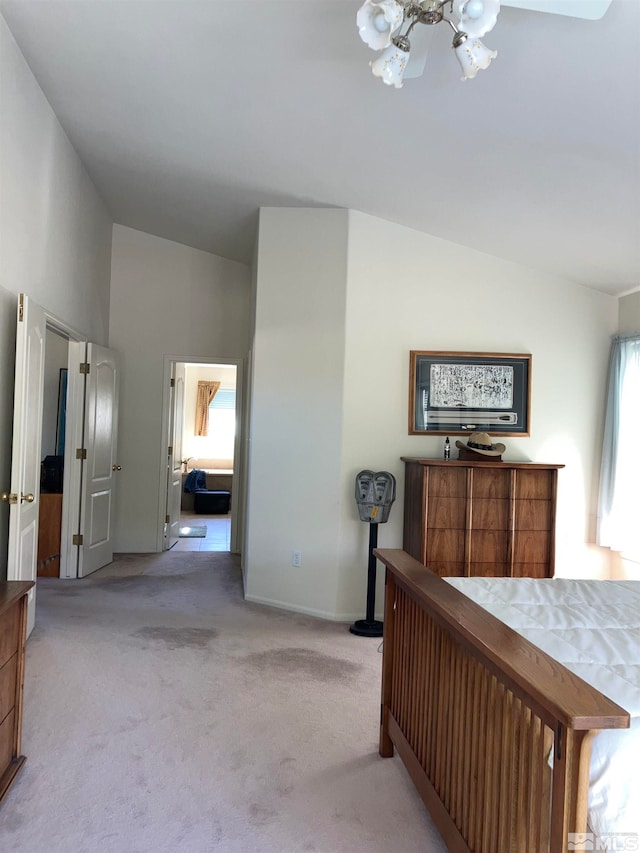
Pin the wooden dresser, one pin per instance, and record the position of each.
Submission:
(481, 518)
(13, 626)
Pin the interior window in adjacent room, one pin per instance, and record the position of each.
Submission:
(222, 423)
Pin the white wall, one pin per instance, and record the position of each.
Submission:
(55, 232)
(404, 290)
(295, 500)
(409, 291)
(166, 299)
(629, 313)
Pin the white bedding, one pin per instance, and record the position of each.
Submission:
(593, 628)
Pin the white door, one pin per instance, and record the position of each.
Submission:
(174, 456)
(100, 468)
(24, 496)
(73, 462)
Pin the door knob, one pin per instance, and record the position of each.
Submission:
(9, 497)
(116, 467)
(28, 498)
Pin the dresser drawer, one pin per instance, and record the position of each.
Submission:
(489, 546)
(9, 634)
(446, 512)
(535, 485)
(447, 545)
(533, 515)
(7, 740)
(447, 483)
(8, 675)
(446, 568)
(490, 514)
(491, 483)
(532, 546)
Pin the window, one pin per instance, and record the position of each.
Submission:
(222, 423)
(619, 505)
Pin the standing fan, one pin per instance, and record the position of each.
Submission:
(395, 28)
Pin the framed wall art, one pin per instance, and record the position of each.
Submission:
(455, 393)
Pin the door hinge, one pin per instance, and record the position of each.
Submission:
(172, 384)
(78, 539)
(21, 308)
(167, 518)
(85, 367)
(170, 451)
(81, 453)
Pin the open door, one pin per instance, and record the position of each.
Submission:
(174, 456)
(100, 466)
(73, 461)
(24, 496)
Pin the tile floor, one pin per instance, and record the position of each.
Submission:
(217, 537)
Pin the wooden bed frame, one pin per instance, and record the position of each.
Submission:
(495, 734)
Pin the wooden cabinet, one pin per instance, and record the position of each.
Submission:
(13, 625)
(49, 533)
(481, 518)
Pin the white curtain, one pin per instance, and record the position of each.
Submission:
(619, 500)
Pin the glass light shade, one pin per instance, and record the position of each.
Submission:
(391, 63)
(473, 55)
(476, 17)
(473, 8)
(377, 21)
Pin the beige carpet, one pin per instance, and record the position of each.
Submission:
(163, 714)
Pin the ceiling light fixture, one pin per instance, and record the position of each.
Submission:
(380, 24)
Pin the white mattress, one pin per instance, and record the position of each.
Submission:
(593, 628)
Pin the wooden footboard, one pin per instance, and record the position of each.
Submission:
(495, 734)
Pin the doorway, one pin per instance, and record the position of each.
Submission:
(78, 478)
(201, 508)
(52, 453)
(77, 547)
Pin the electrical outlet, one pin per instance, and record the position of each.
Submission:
(296, 558)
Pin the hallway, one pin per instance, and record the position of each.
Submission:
(217, 538)
(164, 714)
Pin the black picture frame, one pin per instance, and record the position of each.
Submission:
(456, 393)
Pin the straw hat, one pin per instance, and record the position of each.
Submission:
(480, 442)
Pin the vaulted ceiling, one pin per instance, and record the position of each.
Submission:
(191, 114)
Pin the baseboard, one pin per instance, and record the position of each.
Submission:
(307, 611)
